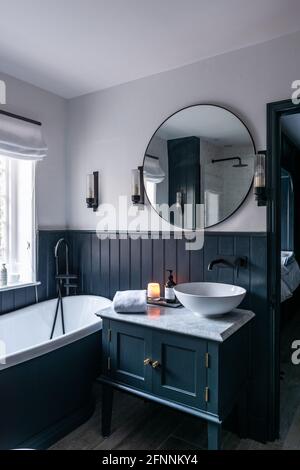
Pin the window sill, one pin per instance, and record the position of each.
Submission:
(19, 285)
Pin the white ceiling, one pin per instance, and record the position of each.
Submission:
(73, 47)
(208, 122)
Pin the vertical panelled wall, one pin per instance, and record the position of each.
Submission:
(107, 265)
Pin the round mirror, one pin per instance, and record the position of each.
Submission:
(200, 165)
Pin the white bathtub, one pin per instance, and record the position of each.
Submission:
(25, 333)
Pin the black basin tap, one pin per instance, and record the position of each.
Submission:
(221, 261)
(231, 262)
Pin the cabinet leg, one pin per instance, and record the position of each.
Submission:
(107, 402)
(214, 436)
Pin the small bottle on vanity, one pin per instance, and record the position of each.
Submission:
(169, 288)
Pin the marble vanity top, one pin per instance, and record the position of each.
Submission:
(184, 321)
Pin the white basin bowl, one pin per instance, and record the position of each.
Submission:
(209, 298)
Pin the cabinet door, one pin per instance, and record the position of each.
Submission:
(130, 346)
(181, 373)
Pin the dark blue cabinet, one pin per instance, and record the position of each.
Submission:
(196, 375)
(156, 362)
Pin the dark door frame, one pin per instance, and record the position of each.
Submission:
(274, 112)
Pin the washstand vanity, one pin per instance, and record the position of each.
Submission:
(202, 154)
(180, 359)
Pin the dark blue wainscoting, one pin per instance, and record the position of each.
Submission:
(107, 265)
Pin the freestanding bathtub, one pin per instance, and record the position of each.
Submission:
(46, 385)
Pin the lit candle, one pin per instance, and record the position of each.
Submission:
(153, 291)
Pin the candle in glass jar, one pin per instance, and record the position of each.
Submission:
(153, 291)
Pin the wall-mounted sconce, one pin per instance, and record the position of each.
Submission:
(92, 191)
(259, 186)
(137, 176)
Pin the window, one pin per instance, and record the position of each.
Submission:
(21, 146)
(17, 219)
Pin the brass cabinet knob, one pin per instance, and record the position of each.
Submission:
(155, 364)
(147, 361)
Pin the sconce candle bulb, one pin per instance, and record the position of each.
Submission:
(90, 186)
(92, 190)
(260, 179)
(137, 189)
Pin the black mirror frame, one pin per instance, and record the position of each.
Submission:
(254, 147)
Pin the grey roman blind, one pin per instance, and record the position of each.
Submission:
(21, 139)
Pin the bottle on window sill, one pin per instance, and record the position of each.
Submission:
(169, 288)
(3, 275)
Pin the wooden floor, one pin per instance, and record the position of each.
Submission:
(142, 425)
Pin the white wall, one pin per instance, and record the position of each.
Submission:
(32, 102)
(110, 130)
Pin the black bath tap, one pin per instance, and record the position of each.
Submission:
(63, 280)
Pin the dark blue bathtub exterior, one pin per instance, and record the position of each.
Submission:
(43, 399)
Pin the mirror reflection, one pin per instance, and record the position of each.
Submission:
(202, 154)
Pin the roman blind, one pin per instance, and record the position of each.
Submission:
(21, 139)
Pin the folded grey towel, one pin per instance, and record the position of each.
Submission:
(130, 301)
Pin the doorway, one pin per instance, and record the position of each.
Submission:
(283, 226)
